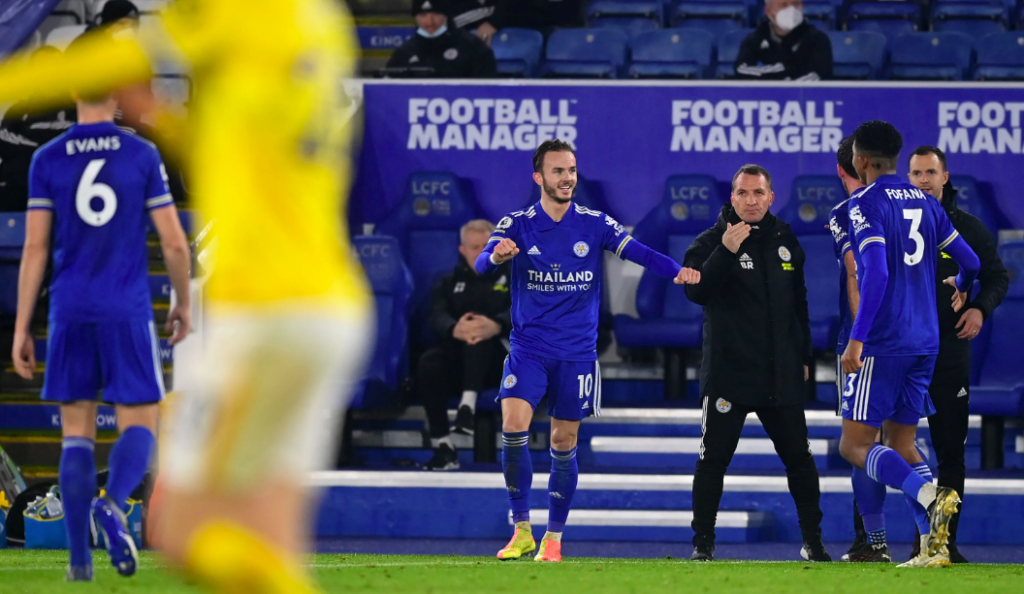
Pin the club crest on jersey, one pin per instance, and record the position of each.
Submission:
(581, 249)
(504, 223)
(785, 254)
(722, 405)
(510, 381)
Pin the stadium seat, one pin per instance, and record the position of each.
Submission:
(890, 18)
(970, 198)
(973, 19)
(812, 198)
(12, 238)
(716, 17)
(630, 26)
(594, 53)
(930, 56)
(61, 37)
(392, 288)
(518, 51)
(672, 53)
(426, 225)
(858, 55)
(821, 14)
(728, 48)
(690, 205)
(1000, 57)
(1001, 388)
(632, 17)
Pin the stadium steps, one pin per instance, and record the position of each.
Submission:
(40, 451)
(408, 504)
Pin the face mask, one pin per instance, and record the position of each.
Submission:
(440, 31)
(788, 18)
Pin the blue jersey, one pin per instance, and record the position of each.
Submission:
(839, 224)
(100, 182)
(556, 279)
(913, 227)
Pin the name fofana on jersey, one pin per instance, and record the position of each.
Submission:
(90, 145)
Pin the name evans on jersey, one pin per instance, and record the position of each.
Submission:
(91, 145)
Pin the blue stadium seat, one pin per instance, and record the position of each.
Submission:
(392, 287)
(632, 17)
(672, 53)
(973, 19)
(12, 239)
(930, 56)
(711, 11)
(821, 14)
(971, 199)
(812, 198)
(690, 205)
(1000, 56)
(858, 55)
(1001, 389)
(595, 53)
(728, 48)
(889, 18)
(426, 225)
(518, 51)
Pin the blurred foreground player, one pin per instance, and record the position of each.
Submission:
(288, 307)
(897, 233)
(92, 190)
(556, 287)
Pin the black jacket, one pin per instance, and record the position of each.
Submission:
(804, 53)
(465, 291)
(757, 334)
(22, 132)
(993, 277)
(454, 54)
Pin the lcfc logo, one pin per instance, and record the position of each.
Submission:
(510, 381)
(581, 249)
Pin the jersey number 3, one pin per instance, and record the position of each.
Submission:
(914, 214)
(89, 188)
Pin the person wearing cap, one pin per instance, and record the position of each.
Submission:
(440, 51)
(118, 15)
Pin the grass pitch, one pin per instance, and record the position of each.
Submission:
(43, 572)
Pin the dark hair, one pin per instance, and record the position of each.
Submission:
(878, 139)
(751, 169)
(925, 150)
(549, 146)
(845, 156)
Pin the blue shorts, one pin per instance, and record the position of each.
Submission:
(121, 359)
(889, 388)
(573, 388)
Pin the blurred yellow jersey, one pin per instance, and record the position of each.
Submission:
(267, 138)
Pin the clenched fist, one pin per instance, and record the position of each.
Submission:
(505, 251)
(687, 276)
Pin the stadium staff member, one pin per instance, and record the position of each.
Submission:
(482, 17)
(785, 47)
(471, 315)
(757, 353)
(440, 51)
(950, 387)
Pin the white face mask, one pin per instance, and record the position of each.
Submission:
(441, 31)
(788, 18)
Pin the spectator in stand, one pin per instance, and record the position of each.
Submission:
(22, 131)
(785, 47)
(118, 15)
(544, 15)
(482, 17)
(440, 51)
(471, 315)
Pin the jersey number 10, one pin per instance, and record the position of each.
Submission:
(89, 188)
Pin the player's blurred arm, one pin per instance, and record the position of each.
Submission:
(36, 253)
(174, 245)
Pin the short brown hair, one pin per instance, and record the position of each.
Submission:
(549, 146)
(751, 169)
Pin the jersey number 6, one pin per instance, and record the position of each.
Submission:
(89, 188)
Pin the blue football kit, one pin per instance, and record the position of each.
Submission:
(556, 291)
(839, 224)
(897, 232)
(100, 182)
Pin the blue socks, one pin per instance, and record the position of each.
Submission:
(129, 461)
(518, 469)
(920, 513)
(886, 466)
(565, 473)
(870, 496)
(77, 488)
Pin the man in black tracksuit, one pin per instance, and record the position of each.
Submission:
(785, 47)
(439, 49)
(471, 316)
(757, 353)
(950, 388)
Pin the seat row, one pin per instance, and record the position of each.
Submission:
(696, 54)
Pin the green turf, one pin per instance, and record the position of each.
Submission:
(43, 571)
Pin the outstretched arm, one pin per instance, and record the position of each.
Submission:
(658, 263)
